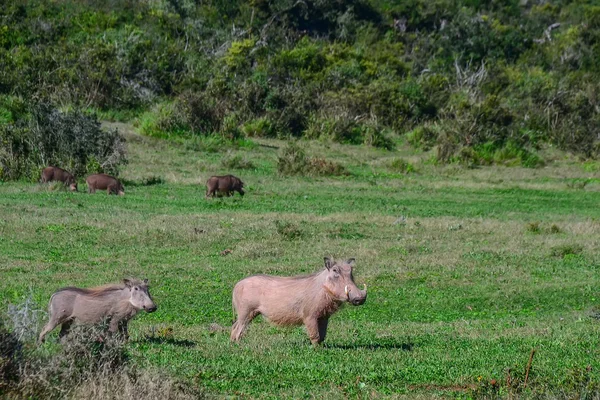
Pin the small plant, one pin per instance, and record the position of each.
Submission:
(288, 230)
(261, 127)
(294, 161)
(533, 227)
(566, 250)
(554, 229)
(400, 165)
(236, 161)
(320, 166)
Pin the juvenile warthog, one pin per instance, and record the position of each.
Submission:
(50, 174)
(115, 303)
(224, 185)
(308, 300)
(104, 182)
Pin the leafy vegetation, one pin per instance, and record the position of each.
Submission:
(483, 82)
(45, 136)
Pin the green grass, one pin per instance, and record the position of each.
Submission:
(459, 289)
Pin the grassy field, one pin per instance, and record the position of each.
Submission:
(468, 269)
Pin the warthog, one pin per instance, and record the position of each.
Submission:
(50, 174)
(114, 303)
(224, 185)
(308, 300)
(104, 182)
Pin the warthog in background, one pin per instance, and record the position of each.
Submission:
(115, 303)
(104, 182)
(224, 185)
(308, 300)
(50, 174)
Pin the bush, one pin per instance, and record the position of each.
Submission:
(423, 137)
(236, 161)
(260, 127)
(400, 165)
(70, 140)
(565, 250)
(343, 129)
(294, 161)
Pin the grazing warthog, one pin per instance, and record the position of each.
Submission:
(308, 300)
(50, 174)
(115, 303)
(224, 185)
(104, 182)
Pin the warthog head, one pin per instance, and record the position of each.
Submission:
(340, 282)
(140, 296)
(72, 184)
(121, 190)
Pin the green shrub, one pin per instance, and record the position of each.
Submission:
(400, 165)
(260, 127)
(294, 161)
(565, 250)
(236, 161)
(71, 140)
(533, 227)
(423, 137)
(347, 130)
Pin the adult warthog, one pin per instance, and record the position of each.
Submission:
(308, 300)
(104, 182)
(224, 185)
(50, 174)
(115, 303)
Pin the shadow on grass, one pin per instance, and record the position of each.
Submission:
(147, 181)
(382, 345)
(171, 341)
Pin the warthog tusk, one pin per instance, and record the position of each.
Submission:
(346, 290)
(365, 289)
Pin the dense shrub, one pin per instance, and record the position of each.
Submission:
(236, 161)
(71, 140)
(293, 160)
(457, 75)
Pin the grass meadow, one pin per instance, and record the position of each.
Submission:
(467, 269)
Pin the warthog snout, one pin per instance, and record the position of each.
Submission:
(151, 308)
(73, 187)
(356, 297)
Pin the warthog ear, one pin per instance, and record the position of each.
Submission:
(145, 281)
(127, 282)
(328, 263)
(350, 262)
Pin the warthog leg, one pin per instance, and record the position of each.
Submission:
(64, 328)
(316, 329)
(123, 329)
(240, 325)
(48, 328)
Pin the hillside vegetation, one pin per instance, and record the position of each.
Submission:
(480, 81)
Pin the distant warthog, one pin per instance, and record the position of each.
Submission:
(50, 174)
(115, 303)
(308, 300)
(224, 185)
(104, 182)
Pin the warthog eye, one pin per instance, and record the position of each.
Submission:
(136, 288)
